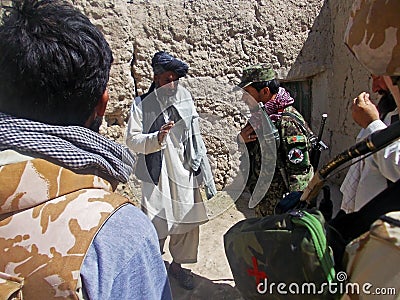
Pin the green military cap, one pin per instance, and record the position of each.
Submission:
(256, 73)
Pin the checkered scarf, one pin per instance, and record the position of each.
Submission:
(75, 147)
(276, 106)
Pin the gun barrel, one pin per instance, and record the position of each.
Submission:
(321, 128)
(316, 152)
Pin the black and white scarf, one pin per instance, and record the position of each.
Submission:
(75, 147)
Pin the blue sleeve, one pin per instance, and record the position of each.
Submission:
(124, 260)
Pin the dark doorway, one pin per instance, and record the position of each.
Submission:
(301, 92)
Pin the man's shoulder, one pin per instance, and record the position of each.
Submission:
(291, 112)
(134, 231)
(293, 120)
(183, 91)
(289, 116)
(129, 211)
(129, 236)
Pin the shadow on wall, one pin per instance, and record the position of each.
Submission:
(314, 58)
(326, 76)
(307, 79)
(316, 53)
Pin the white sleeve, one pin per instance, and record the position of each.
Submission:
(387, 159)
(135, 139)
(374, 126)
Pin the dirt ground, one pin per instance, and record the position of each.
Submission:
(212, 276)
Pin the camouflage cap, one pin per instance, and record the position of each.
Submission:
(256, 73)
(373, 35)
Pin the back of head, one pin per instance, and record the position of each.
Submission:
(373, 35)
(54, 63)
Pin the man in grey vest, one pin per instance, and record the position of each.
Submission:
(172, 163)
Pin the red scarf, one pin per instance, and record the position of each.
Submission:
(274, 107)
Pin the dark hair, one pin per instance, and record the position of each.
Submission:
(395, 80)
(386, 104)
(54, 63)
(273, 85)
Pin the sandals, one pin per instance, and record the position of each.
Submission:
(184, 276)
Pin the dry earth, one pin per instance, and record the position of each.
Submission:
(212, 275)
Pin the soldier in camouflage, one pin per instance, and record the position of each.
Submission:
(293, 168)
(373, 36)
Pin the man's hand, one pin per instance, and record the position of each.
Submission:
(164, 130)
(247, 134)
(363, 110)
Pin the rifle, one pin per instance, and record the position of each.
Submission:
(319, 144)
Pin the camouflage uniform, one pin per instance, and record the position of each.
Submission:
(278, 187)
(373, 256)
(44, 232)
(284, 180)
(247, 243)
(375, 43)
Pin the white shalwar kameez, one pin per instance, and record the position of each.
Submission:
(175, 205)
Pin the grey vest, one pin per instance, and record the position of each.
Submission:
(148, 166)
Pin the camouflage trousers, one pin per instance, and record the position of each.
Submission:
(276, 189)
(272, 197)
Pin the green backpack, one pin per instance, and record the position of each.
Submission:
(281, 256)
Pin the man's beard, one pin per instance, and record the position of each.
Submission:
(167, 92)
(386, 104)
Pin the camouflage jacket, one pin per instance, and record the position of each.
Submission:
(374, 257)
(293, 168)
(294, 150)
(293, 179)
(45, 227)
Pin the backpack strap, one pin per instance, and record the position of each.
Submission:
(307, 132)
(390, 220)
(317, 232)
(294, 152)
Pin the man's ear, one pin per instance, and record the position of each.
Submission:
(95, 118)
(265, 90)
(101, 106)
(266, 93)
